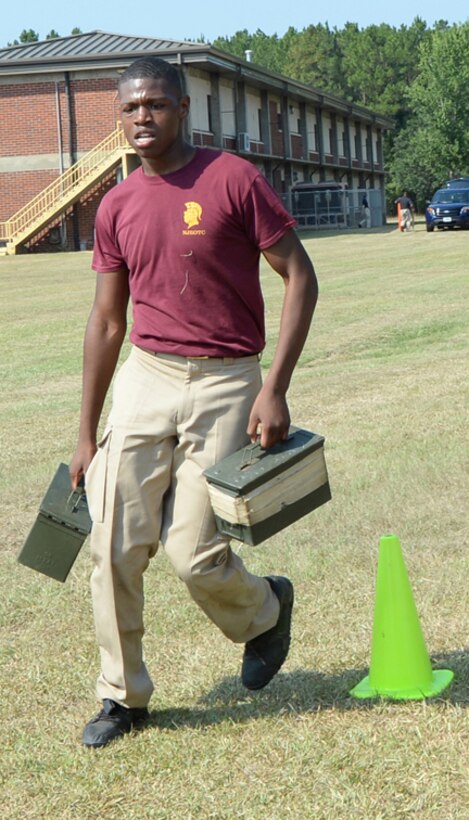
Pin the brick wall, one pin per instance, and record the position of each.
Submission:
(28, 121)
(34, 106)
(95, 111)
(276, 136)
(203, 138)
(17, 189)
(29, 127)
(296, 146)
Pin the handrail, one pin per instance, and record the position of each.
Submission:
(61, 188)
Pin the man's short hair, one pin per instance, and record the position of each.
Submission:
(153, 68)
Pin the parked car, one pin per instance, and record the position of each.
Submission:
(448, 208)
(456, 182)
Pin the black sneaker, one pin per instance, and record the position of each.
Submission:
(112, 722)
(264, 655)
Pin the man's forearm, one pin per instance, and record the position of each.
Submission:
(270, 415)
(100, 355)
(301, 293)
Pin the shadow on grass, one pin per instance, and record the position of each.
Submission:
(458, 662)
(298, 692)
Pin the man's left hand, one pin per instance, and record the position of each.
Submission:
(269, 421)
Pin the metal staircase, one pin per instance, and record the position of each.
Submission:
(63, 192)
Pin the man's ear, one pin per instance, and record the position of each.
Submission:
(184, 106)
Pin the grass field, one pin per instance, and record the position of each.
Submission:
(384, 377)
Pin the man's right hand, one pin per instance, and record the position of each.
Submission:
(80, 462)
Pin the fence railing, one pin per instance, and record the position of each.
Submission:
(63, 189)
(336, 209)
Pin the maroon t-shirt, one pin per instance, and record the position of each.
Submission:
(191, 243)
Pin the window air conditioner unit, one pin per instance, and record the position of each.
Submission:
(244, 143)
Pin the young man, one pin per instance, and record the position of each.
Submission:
(366, 213)
(405, 211)
(181, 236)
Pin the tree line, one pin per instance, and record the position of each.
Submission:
(418, 76)
(31, 36)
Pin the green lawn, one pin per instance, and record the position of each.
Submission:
(384, 377)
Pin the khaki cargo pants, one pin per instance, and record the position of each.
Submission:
(171, 418)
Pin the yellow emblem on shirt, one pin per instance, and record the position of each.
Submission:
(192, 217)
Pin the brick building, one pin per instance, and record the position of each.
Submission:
(58, 102)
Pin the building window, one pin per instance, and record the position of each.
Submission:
(343, 150)
(279, 121)
(357, 145)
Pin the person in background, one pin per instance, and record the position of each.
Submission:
(366, 213)
(181, 237)
(406, 210)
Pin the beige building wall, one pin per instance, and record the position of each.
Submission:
(326, 133)
(227, 109)
(253, 106)
(311, 128)
(199, 89)
(293, 117)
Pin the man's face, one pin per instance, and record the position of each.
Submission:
(152, 116)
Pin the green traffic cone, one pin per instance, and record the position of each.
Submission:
(400, 667)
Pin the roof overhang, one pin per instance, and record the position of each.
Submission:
(99, 51)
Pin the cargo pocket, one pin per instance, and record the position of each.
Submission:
(95, 479)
